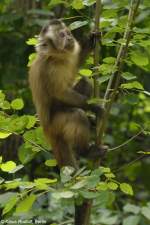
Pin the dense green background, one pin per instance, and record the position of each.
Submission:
(21, 138)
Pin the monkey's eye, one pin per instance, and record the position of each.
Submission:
(62, 34)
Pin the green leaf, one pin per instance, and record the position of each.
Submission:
(146, 93)
(8, 166)
(1, 159)
(51, 162)
(109, 13)
(18, 124)
(79, 185)
(146, 212)
(55, 2)
(97, 172)
(36, 136)
(109, 175)
(131, 208)
(106, 69)
(144, 43)
(17, 168)
(89, 194)
(89, 2)
(31, 58)
(109, 60)
(26, 154)
(5, 105)
(139, 58)
(26, 204)
(4, 135)
(86, 72)
(77, 4)
(92, 181)
(10, 204)
(105, 23)
(32, 41)
(2, 96)
(42, 183)
(17, 104)
(112, 185)
(132, 85)
(12, 184)
(131, 220)
(66, 173)
(6, 197)
(102, 186)
(45, 181)
(108, 219)
(128, 76)
(27, 185)
(145, 153)
(31, 122)
(1, 180)
(63, 194)
(126, 188)
(105, 199)
(105, 169)
(66, 194)
(77, 24)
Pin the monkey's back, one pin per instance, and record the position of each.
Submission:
(48, 79)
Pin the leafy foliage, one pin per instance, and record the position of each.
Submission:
(30, 183)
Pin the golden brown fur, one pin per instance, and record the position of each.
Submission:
(58, 105)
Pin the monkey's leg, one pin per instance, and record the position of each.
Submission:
(63, 153)
(65, 131)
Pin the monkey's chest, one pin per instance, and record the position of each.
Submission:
(61, 77)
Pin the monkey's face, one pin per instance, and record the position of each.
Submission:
(56, 38)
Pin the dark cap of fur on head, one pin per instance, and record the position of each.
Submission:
(55, 22)
(51, 22)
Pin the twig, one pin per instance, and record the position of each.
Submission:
(129, 164)
(66, 222)
(97, 46)
(126, 142)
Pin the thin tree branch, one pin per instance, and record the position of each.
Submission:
(129, 164)
(112, 85)
(126, 142)
(97, 46)
(83, 212)
(114, 80)
(85, 209)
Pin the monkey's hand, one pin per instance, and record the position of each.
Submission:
(98, 109)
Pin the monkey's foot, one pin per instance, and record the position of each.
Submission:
(97, 151)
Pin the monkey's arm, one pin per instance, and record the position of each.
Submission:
(84, 87)
(72, 98)
(87, 43)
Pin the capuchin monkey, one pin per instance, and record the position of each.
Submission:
(60, 104)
